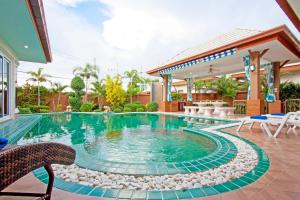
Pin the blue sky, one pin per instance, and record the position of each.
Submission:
(141, 34)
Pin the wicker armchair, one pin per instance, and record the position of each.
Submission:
(17, 161)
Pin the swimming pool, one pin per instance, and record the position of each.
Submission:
(148, 156)
(129, 143)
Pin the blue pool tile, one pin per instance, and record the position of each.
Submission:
(71, 187)
(97, 192)
(109, 193)
(230, 185)
(197, 192)
(221, 188)
(58, 182)
(183, 194)
(139, 195)
(154, 195)
(169, 195)
(125, 194)
(84, 190)
(208, 190)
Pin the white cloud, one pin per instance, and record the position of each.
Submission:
(132, 27)
(71, 3)
(143, 34)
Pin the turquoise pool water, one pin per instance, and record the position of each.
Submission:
(142, 144)
(107, 142)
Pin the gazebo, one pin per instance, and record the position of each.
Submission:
(236, 51)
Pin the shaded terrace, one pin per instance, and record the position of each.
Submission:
(239, 50)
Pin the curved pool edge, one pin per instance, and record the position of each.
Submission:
(224, 153)
(259, 170)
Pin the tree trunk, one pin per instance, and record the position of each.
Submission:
(39, 100)
(53, 102)
(58, 99)
(86, 90)
(99, 103)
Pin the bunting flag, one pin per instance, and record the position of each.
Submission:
(189, 89)
(199, 60)
(169, 88)
(246, 60)
(269, 70)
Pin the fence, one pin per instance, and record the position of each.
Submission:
(291, 105)
(239, 106)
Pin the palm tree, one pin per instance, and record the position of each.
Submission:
(134, 79)
(98, 91)
(147, 82)
(86, 73)
(58, 89)
(38, 77)
(227, 87)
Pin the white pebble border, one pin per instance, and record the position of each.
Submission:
(244, 162)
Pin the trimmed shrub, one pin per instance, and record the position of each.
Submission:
(140, 110)
(75, 103)
(86, 107)
(177, 96)
(77, 84)
(117, 110)
(127, 109)
(44, 111)
(134, 106)
(37, 109)
(289, 90)
(25, 111)
(152, 107)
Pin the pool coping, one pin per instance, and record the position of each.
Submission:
(253, 175)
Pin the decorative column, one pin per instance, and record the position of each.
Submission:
(255, 104)
(269, 71)
(275, 106)
(246, 60)
(255, 76)
(165, 86)
(276, 66)
(169, 88)
(165, 105)
(189, 89)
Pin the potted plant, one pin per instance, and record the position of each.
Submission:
(227, 87)
(209, 87)
(200, 86)
(176, 97)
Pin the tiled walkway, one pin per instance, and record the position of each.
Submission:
(282, 181)
(14, 129)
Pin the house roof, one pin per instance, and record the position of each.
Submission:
(36, 9)
(283, 44)
(23, 30)
(292, 10)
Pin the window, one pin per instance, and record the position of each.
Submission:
(4, 86)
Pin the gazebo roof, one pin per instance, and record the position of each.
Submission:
(224, 54)
(221, 40)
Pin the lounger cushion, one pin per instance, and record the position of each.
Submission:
(278, 114)
(258, 117)
(3, 142)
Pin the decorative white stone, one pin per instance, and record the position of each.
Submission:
(245, 160)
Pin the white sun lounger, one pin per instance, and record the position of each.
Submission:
(290, 119)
